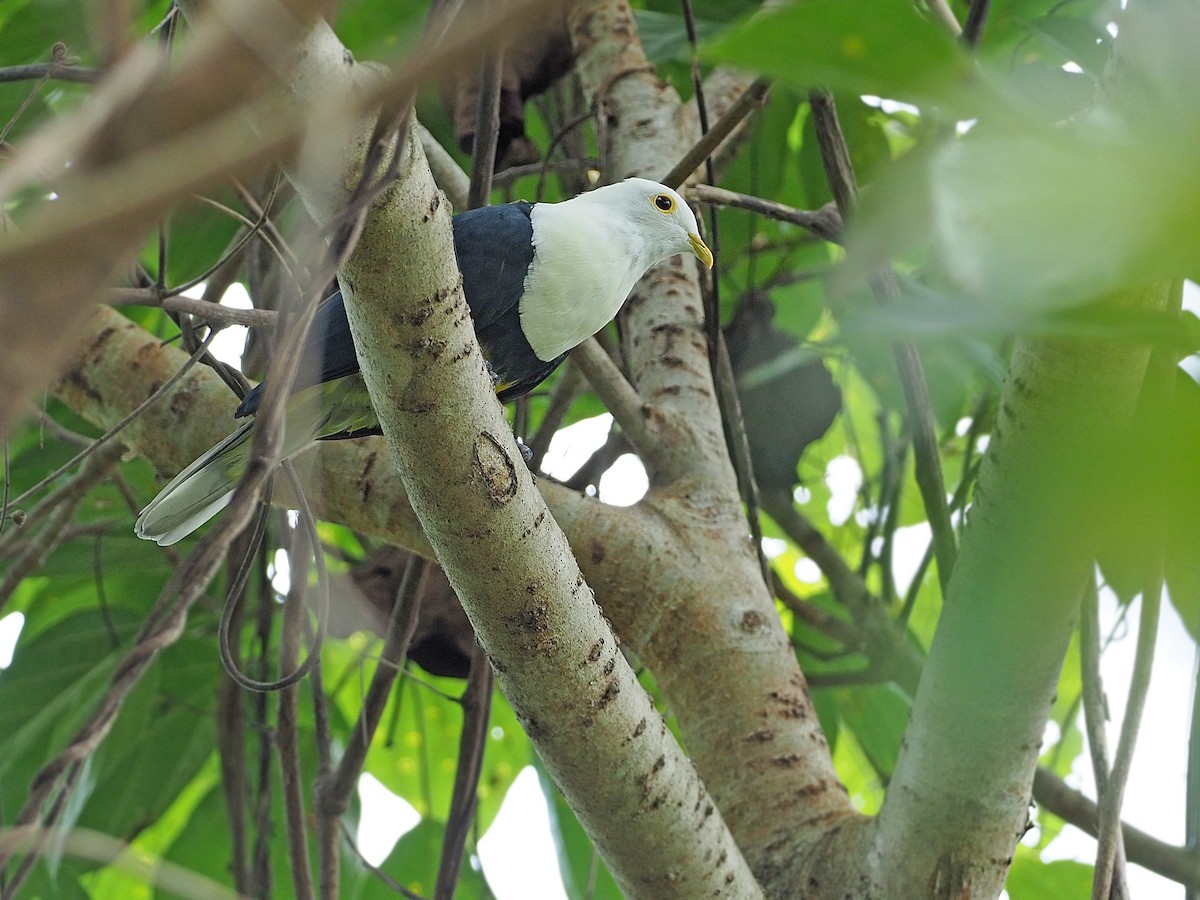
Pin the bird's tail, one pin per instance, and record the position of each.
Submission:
(197, 493)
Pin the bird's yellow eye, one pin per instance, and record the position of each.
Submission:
(665, 202)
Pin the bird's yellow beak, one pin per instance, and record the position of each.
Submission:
(701, 250)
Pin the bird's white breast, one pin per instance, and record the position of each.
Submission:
(584, 266)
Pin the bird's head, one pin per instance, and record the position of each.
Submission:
(662, 219)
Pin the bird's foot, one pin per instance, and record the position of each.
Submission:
(526, 452)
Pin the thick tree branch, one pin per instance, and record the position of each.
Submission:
(508, 561)
(708, 609)
(966, 769)
(119, 364)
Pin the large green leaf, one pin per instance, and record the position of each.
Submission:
(1025, 215)
(415, 751)
(52, 686)
(166, 731)
(1031, 879)
(414, 863)
(879, 47)
(878, 716)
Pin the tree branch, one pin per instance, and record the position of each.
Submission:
(619, 397)
(751, 99)
(825, 223)
(509, 563)
(840, 174)
(991, 674)
(710, 611)
(1177, 863)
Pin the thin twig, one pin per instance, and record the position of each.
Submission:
(840, 174)
(213, 313)
(751, 99)
(51, 71)
(268, 233)
(825, 223)
(1175, 863)
(1108, 877)
(543, 168)
(264, 815)
(973, 30)
(383, 876)
(231, 736)
(246, 233)
(225, 629)
(333, 792)
(1095, 711)
(507, 176)
(57, 430)
(287, 722)
(476, 705)
(251, 228)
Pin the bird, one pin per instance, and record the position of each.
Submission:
(539, 279)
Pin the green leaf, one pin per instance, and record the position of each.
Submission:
(380, 28)
(1031, 879)
(1154, 483)
(878, 716)
(415, 750)
(415, 859)
(664, 36)
(50, 690)
(879, 47)
(160, 737)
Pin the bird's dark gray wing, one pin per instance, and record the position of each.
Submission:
(494, 247)
(327, 354)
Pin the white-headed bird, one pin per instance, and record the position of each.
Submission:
(539, 278)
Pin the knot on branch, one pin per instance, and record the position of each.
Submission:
(496, 467)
